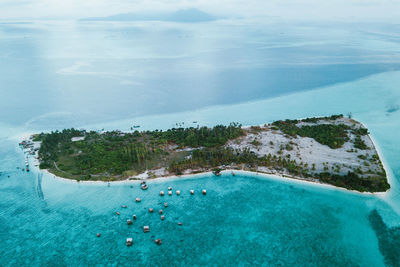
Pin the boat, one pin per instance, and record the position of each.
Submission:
(144, 186)
(217, 172)
(129, 242)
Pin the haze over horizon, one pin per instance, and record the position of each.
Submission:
(289, 9)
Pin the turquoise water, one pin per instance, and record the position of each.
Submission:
(246, 219)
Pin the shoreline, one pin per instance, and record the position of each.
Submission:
(276, 176)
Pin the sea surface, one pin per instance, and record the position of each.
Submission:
(112, 75)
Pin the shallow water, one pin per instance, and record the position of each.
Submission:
(244, 219)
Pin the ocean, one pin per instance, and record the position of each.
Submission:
(98, 75)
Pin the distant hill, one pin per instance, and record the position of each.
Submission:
(191, 15)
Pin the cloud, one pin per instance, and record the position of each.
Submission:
(73, 9)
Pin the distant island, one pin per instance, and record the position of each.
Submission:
(334, 150)
(190, 15)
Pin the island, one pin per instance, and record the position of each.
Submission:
(335, 150)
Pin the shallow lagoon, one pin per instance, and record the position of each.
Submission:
(243, 219)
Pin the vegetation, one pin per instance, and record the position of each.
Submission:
(355, 182)
(359, 143)
(331, 135)
(115, 155)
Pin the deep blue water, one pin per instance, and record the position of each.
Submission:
(96, 75)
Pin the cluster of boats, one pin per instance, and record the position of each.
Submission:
(29, 149)
(146, 228)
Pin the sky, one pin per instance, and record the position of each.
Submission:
(319, 9)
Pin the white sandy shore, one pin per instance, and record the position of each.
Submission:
(275, 177)
(278, 177)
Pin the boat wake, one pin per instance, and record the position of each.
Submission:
(39, 186)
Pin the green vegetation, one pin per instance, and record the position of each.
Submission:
(331, 135)
(115, 155)
(359, 143)
(354, 182)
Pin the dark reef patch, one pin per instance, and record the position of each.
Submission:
(388, 238)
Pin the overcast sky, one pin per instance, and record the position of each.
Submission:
(71, 9)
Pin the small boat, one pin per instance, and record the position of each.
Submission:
(169, 193)
(165, 204)
(129, 242)
(178, 192)
(117, 213)
(160, 211)
(158, 241)
(128, 222)
(144, 186)
(169, 188)
(162, 217)
(217, 172)
(98, 234)
(134, 217)
(151, 210)
(233, 174)
(124, 206)
(137, 199)
(179, 223)
(161, 193)
(146, 229)
(204, 192)
(192, 192)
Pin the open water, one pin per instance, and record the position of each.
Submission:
(99, 75)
